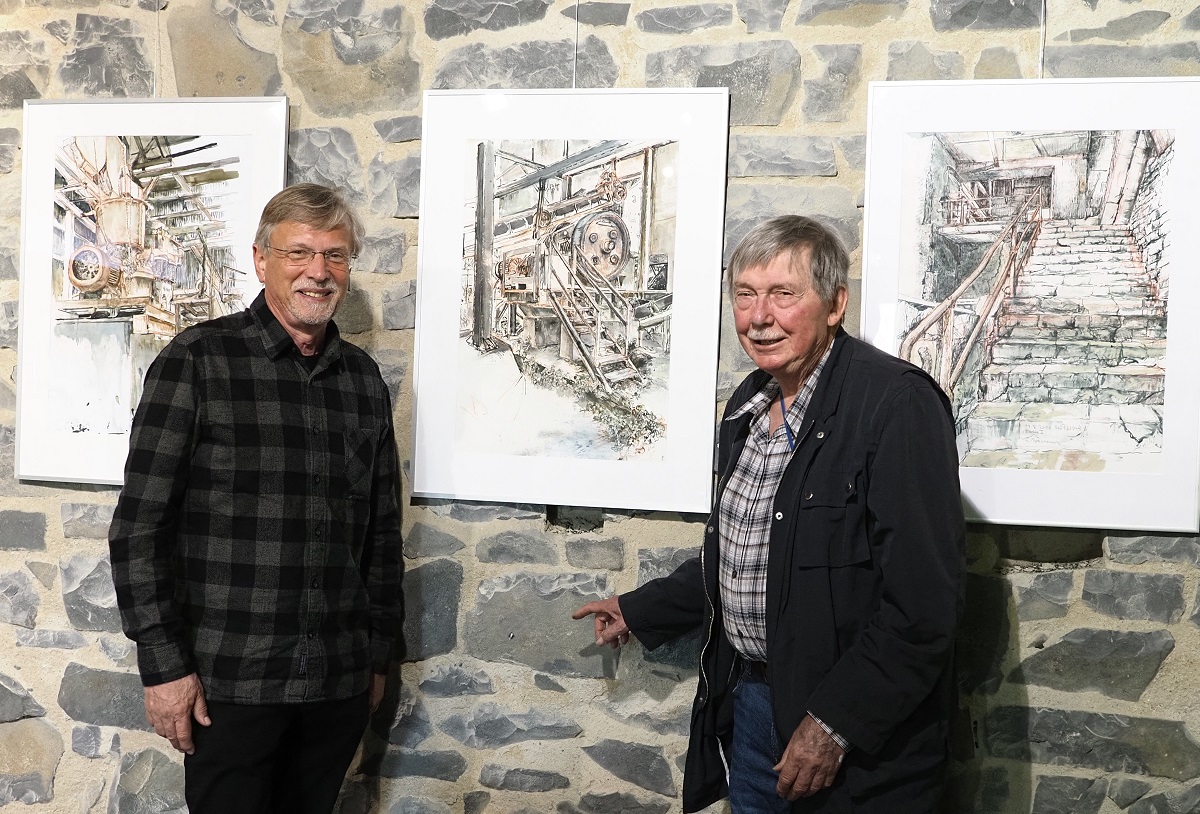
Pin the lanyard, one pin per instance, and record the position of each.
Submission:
(783, 409)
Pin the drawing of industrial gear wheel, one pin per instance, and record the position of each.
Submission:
(88, 269)
(602, 240)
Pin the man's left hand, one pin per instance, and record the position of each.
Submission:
(810, 762)
(378, 683)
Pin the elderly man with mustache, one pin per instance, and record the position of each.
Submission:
(830, 578)
(256, 542)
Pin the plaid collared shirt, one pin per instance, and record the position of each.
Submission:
(744, 514)
(256, 541)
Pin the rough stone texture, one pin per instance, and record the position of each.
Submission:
(682, 653)
(1184, 802)
(489, 727)
(18, 599)
(90, 520)
(1139, 549)
(451, 18)
(849, 12)
(955, 15)
(1192, 21)
(545, 682)
(1123, 28)
(517, 547)
(103, 697)
(108, 58)
(24, 69)
(354, 312)
(400, 306)
(22, 531)
(147, 782)
(1119, 664)
(669, 716)
(325, 155)
(524, 618)
(226, 66)
(1127, 595)
(997, 63)
(1051, 545)
(637, 763)
(45, 572)
(761, 16)
(474, 802)
(762, 77)
(750, 204)
(8, 257)
(586, 552)
(684, 19)
(88, 594)
(534, 64)
(441, 765)
(854, 151)
(8, 326)
(575, 518)
(1093, 740)
(382, 253)
(410, 724)
(599, 13)
(448, 682)
(915, 60)
(1176, 59)
(1068, 795)
(16, 702)
(431, 596)
(29, 755)
(121, 650)
(424, 540)
(614, 803)
(51, 639)
(1125, 791)
(418, 805)
(395, 186)
(399, 129)
(505, 778)
(59, 29)
(785, 156)
(1044, 596)
(828, 96)
(469, 512)
(85, 740)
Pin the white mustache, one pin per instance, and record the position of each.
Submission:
(762, 336)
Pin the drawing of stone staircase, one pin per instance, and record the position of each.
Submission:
(1076, 371)
(611, 361)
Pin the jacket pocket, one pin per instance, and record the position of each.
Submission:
(832, 527)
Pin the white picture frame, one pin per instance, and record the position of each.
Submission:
(1067, 412)
(137, 219)
(482, 429)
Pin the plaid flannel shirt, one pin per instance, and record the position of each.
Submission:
(256, 540)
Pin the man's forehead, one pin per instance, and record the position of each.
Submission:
(298, 230)
(795, 259)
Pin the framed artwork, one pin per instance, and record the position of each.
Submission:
(137, 220)
(568, 296)
(1030, 244)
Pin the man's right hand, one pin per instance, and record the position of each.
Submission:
(170, 708)
(610, 622)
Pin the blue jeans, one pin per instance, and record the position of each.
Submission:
(755, 750)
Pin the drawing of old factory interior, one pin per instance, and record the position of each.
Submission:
(1037, 293)
(140, 251)
(567, 258)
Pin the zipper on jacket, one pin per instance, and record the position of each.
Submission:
(715, 518)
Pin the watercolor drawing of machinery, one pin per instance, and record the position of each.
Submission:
(572, 257)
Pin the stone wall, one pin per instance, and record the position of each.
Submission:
(1078, 656)
(1150, 222)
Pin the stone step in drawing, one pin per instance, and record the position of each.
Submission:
(1102, 428)
(1073, 384)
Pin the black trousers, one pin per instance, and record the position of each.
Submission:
(273, 757)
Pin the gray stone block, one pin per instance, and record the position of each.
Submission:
(474, 802)
(108, 58)
(545, 682)
(24, 68)
(636, 763)
(533, 64)
(50, 639)
(8, 325)
(88, 593)
(614, 803)
(1051, 545)
(59, 29)
(18, 599)
(147, 782)
(998, 63)
(1125, 791)
(121, 650)
(1138, 549)
(431, 596)
(424, 540)
(260, 11)
(504, 778)
(326, 155)
(393, 364)
(682, 653)
(400, 306)
(761, 16)
(22, 531)
(442, 765)
(10, 139)
(827, 97)
(45, 572)
(913, 60)
(575, 518)
(849, 12)
(16, 702)
(781, 156)
(672, 716)
(354, 311)
(470, 512)
(8, 257)
(956, 15)
(762, 77)
(854, 150)
(488, 726)
(103, 697)
(747, 205)
(1093, 740)
(517, 547)
(598, 14)
(589, 552)
(226, 65)
(29, 755)
(410, 723)
(86, 741)
(455, 680)
(1121, 29)
(1119, 664)
(395, 186)
(526, 618)
(418, 805)
(383, 253)
(1175, 59)
(452, 18)
(1046, 596)
(1127, 595)
(399, 129)
(684, 19)
(1068, 795)
(1183, 802)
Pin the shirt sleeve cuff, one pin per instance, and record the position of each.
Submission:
(844, 744)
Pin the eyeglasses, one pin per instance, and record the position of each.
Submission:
(780, 299)
(334, 258)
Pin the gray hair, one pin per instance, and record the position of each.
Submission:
(313, 205)
(829, 261)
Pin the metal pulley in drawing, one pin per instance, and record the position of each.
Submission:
(602, 241)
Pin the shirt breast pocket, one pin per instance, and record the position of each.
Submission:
(832, 523)
(360, 445)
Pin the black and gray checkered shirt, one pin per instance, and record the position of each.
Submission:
(744, 514)
(257, 538)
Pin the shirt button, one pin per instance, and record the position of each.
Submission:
(315, 582)
(735, 573)
(316, 431)
(779, 515)
(710, 529)
(316, 478)
(311, 634)
(318, 533)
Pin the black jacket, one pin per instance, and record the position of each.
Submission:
(864, 587)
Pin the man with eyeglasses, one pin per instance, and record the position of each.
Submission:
(830, 579)
(256, 542)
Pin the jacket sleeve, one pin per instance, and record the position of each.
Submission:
(386, 565)
(667, 607)
(142, 536)
(917, 537)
